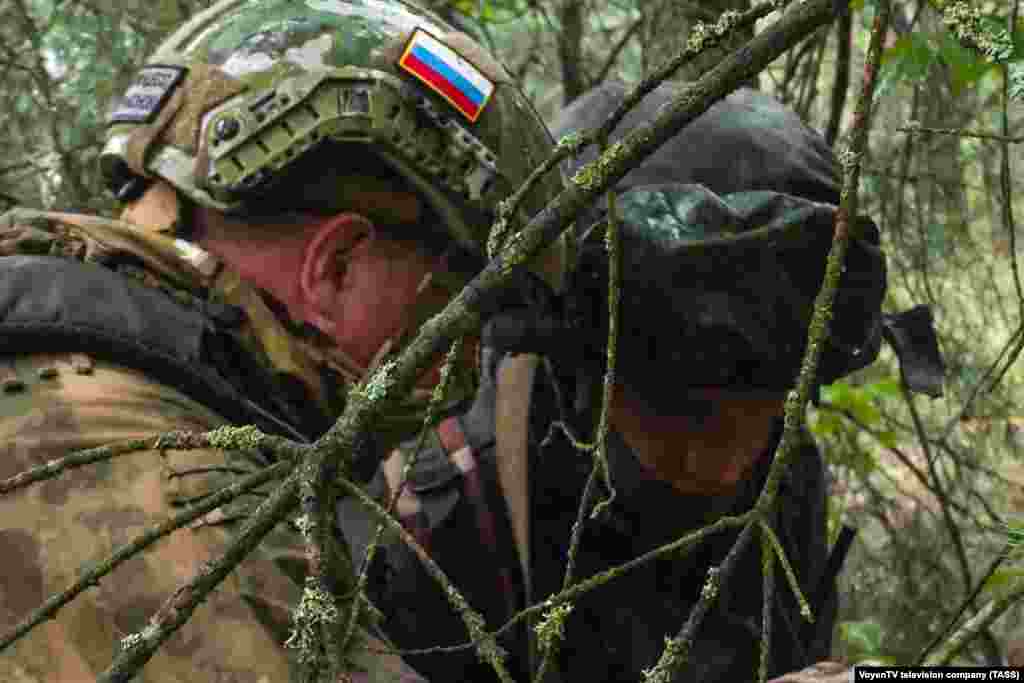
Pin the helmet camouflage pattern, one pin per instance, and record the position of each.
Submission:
(231, 100)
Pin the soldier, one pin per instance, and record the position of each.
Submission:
(339, 164)
(117, 329)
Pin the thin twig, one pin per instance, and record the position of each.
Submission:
(1006, 176)
(968, 601)
(980, 622)
(712, 37)
(612, 241)
(486, 644)
(55, 468)
(1005, 137)
(768, 598)
(679, 548)
(437, 398)
(677, 650)
(796, 400)
(841, 86)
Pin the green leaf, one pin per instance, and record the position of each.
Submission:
(1015, 534)
(854, 400)
(481, 10)
(1004, 577)
(826, 424)
(910, 57)
(888, 387)
(966, 66)
(863, 637)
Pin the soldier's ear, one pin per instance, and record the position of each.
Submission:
(326, 261)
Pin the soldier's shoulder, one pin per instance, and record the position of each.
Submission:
(93, 394)
(37, 232)
(41, 218)
(107, 241)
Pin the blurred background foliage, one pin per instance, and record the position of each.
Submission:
(936, 487)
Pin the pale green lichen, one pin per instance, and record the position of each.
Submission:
(847, 158)
(305, 525)
(704, 35)
(131, 640)
(500, 228)
(496, 239)
(236, 438)
(1015, 75)
(969, 25)
(378, 385)
(773, 541)
(135, 639)
(672, 659)
(315, 609)
(710, 590)
(594, 174)
(572, 142)
(551, 628)
(447, 369)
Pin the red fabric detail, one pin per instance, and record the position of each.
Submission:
(416, 524)
(442, 85)
(451, 436)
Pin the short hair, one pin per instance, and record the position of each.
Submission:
(312, 185)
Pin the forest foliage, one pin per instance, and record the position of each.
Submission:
(935, 487)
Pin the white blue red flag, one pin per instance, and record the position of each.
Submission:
(447, 73)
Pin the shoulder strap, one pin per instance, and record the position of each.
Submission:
(51, 305)
(512, 421)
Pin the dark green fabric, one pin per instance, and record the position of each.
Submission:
(725, 234)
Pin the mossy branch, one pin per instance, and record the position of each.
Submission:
(613, 244)
(967, 23)
(224, 437)
(767, 599)
(55, 468)
(974, 626)
(818, 332)
(703, 37)
(600, 451)
(771, 541)
(680, 548)
(436, 400)
(677, 650)
(486, 644)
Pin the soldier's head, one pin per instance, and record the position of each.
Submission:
(335, 152)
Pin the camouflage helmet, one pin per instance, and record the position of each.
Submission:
(230, 102)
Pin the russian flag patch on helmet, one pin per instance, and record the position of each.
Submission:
(447, 73)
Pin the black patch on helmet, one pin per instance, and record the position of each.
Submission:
(147, 94)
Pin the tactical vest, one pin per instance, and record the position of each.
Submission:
(59, 305)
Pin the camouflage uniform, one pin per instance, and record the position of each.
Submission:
(55, 403)
(222, 109)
